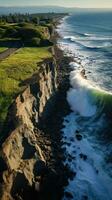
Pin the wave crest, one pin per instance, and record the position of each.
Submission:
(79, 96)
(84, 98)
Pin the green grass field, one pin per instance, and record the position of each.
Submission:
(2, 49)
(14, 70)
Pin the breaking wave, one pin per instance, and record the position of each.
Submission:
(103, 42)
(86, 99)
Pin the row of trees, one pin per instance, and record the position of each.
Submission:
(18, 18)
(32, 18)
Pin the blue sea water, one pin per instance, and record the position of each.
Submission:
(87, 38)
(90, 35)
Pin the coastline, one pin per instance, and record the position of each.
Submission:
(87, 126)
(53, 148)
(54, 124)
(48, 133)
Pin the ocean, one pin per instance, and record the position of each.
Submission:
(87, 135)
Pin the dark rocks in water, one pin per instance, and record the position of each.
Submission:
(72, 139)
(65, 182)
(64, 158)
(97, 171)
(66, 120)
(85, 197)
(63, 149)
(69, 159)
(68, 195)
(78, 137)
(68, 143)
(83, 73)
(62, 143)
(72, 175)
(83, 156)
(61, 132)
(70, 156)
(63, 126)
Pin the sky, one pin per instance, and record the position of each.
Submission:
(65, 3)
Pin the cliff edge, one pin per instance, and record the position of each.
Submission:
(26, 149)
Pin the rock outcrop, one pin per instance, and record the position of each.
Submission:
(31, 157)
(26, 149)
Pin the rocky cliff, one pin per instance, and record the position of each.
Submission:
(26, 150)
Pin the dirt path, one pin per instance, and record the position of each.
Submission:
(8, 52)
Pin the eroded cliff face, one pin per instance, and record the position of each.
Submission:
(26, 150)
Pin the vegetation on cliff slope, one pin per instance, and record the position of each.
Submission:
(30, 34)
(27, 34)
(14, 70)
(33, 42)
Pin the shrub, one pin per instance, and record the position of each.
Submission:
(33, 42)
(28, 33)
(46, 42)
(10, 32)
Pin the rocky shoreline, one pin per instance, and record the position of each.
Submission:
(53, 126)
(32, 154)
(50, 176)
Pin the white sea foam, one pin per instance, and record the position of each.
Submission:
(88, 42)
(104, 44)
(72, 38)
(74, 65)
(88, 34)
(79, 96)
(90, 181)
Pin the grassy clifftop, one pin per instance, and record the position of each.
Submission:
(14, 70)
(29, 37)
(34, 41)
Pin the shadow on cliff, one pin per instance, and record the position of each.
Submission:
(50, 177)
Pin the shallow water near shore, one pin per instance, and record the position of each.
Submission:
(87, 135)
